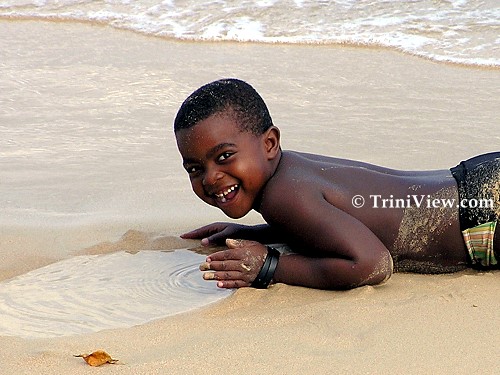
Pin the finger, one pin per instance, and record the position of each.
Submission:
(194, 234)
(227, 276)
(223, 255)
(222, 275)
(203, 231)
(232, 284)
(216, 239)
(235, 243)
(226, 265)
(205, 266)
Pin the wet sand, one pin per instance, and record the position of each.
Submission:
(374, 105)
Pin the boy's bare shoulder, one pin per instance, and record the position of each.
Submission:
(292, 185)
(293, 171)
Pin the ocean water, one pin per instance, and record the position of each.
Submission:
(457, 31)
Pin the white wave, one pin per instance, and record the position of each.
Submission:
(458, 31)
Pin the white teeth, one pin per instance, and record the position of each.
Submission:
(222, 195)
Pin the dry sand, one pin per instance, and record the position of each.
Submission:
(368, 104)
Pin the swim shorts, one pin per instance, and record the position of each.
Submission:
(478, 181)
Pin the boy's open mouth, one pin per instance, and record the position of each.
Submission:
(227, 194)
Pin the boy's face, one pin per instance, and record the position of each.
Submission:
(227, 167)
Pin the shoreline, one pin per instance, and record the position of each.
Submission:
(381, 47)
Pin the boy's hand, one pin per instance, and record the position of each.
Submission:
(236, 267)
(215, 233)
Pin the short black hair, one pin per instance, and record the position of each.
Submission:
(231, 95)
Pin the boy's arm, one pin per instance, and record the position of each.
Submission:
(335, 250)
(329, 273)
(217, 233)
(239, 265)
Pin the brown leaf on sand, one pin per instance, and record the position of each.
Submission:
(97, 358)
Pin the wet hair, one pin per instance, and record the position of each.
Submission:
(229, 95)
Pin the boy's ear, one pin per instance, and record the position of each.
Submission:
(272, 142)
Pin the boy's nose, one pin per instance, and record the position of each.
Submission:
(211, 177)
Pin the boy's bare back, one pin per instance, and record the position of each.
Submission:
(409, 212)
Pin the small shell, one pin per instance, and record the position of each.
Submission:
(97, 358)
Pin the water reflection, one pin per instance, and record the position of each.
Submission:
(95, 292)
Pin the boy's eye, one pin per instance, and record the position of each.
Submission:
(191, 169)
(224, 156)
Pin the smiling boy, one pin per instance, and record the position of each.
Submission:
(231, 151)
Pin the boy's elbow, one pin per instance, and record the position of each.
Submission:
(379, 271)
(352, 274)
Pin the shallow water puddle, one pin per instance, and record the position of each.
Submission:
(95, 292)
